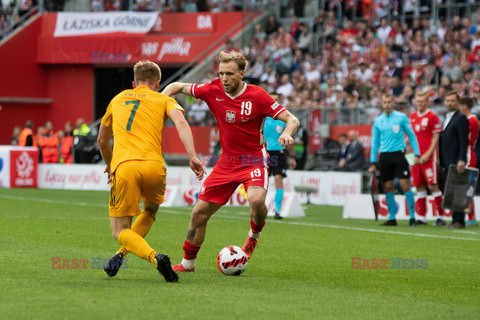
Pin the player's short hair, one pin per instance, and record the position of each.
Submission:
(29, 124)
(146, 71)
(467, 101)
(387, 96)
(234, 56)
(452, 93)
(421, 94)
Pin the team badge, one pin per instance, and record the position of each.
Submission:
(396, 128)
(230, 116)
(424, 122)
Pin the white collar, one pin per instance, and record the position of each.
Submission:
(238, 94)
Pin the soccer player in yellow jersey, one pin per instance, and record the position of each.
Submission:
(135, 165)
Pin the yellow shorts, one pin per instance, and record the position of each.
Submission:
(134, 180)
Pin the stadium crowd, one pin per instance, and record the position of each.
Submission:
(62, 146)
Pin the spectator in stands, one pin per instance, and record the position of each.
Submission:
(286, 87)
(197, 115)
(384, 30)
(305, 39)
(48, 142)
(14, 140)
(230, 46)
(452, 70)
(282, 57)
(26, 137)
(272, 25)
(24, 6)
(82, 142)
(397, 86)
(66, 144)
(259, 32)
(300, 147)
(96, 5)
(363, 72)
(295, 28)
(354, 159)
(3, 25)
(114, 5)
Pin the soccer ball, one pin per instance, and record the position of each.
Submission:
(232, 261)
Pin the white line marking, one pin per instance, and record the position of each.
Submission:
(170, 211)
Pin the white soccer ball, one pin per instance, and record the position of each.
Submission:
(232, 261)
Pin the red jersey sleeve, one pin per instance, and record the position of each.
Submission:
(200, 91)
(274, 109)
(436, 126)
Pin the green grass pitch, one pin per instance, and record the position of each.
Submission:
(302, 268)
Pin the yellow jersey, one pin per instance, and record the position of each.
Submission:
(137, 117)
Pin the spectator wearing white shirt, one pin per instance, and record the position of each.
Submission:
(286, 87)
(383, 31)
(364, 73)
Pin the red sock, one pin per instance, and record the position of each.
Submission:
(190, 251)
(438, 203)
(255, 227)
(421, 206)
(471, 215)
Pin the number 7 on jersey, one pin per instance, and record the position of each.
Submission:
(135, 103)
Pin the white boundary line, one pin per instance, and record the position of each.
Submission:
(170, 211)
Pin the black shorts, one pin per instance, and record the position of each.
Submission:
(278, 163)
(393, 164)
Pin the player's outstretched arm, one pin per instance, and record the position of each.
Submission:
(187, 138)
(104, 135)
(292, 122)
(175, 88)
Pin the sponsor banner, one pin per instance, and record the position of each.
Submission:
(333, 187)
(5, 166)
(23, 168)
(361, 207)
(72, 177)
(185, 22)
(90, 23)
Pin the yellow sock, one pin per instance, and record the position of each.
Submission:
(141, 226)
(137, 245)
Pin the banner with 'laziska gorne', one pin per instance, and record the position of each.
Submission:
(88, 23)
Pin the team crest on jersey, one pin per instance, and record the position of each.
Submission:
(424, 122)
(230, 116)
(396, 128)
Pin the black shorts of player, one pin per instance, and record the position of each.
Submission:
(278, 163)
(393, 164)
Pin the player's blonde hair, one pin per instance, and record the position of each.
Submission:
(387, 95)
(234, 56)
(146, 71)
(421, 94)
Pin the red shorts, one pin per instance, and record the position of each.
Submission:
(425, 173)
(222, 182)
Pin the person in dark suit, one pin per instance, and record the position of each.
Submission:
(453, 146)
(354, 157)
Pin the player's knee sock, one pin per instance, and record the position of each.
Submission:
(438, 197)
(471, 215)
(392, 209)
(141, 226)
(255, 229)
(137, 245)
(421, 205)
(410, 203)
(190, 252)
(278, 200)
